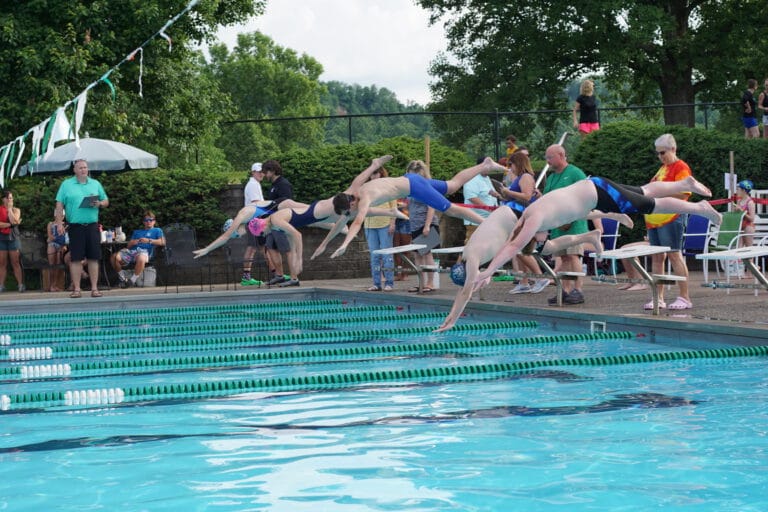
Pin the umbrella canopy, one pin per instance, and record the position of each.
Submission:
(101, 155)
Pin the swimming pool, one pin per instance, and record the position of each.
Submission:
(324, 404)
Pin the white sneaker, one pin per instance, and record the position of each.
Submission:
(539, 285)
(521, 288)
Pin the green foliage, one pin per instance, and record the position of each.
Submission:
(190, 195)
(50, 51)
(264, 80)
(519, 55)
(328, 170)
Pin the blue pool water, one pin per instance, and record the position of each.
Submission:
(680, 435)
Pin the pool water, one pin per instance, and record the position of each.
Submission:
(686, 434)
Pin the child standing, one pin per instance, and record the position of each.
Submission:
(57, 243)
(746, 204)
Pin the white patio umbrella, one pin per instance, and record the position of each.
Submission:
(101, 155)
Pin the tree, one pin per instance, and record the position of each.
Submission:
(345, 99)
(263, 81)
(517, 55)
(51, 50)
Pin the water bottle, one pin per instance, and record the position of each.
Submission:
(437, 274)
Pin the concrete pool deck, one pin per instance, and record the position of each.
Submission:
(737, 313)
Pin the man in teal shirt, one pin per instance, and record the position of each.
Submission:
(83, 220)
(561, 174)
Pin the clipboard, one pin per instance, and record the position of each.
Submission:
(88, 201)
(431, 241)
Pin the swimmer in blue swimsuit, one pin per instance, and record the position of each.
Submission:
(594, 198)
(413, 185)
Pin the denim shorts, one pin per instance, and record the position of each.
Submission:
(9, 245)
(669, 235)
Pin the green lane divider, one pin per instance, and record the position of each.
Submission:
(200, 390)
(24, 329)
(160, 331)
(178, 343)
(70, 315)
(104, 368)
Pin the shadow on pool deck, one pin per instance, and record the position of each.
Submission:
(717, 307)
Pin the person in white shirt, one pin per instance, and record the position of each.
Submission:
(253, 193)
(479, 191)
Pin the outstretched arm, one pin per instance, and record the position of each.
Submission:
(362, 210)
(364, 176)
(242, 217)
(337, 228)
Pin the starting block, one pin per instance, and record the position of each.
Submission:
(747, 255)
(636, 251)
(402, 250)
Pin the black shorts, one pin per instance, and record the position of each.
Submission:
(254, 241)
(278, 241)
(84, 242)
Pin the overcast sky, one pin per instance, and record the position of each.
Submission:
(386, 43)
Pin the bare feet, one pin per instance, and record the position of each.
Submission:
(697, 186)
(593, 237)
(490, 164)
(625, 220)
(707, 211)
(379, 162)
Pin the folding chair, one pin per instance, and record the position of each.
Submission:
(719, 239)
(180, 241)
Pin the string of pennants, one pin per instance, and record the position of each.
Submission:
(59, 126)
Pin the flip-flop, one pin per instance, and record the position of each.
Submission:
(680, 303)
(96, 293)
(75, 294)
(415, 289)
(427, 290)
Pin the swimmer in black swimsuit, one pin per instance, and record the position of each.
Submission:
(576, 201)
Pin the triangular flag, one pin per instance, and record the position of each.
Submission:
(3, 156)
(22, 145)
(58, 129)
(80, 102)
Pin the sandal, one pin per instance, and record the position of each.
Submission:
(649, 305)
(680, 303)
(96, 293)
(75, 294)
(427, 289)
(374, 288)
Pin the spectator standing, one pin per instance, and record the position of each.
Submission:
(140, 249)
(252, 194)
(585, 109)
(511, 149)
(666, 229)
(423, 220)
(84, 236)
(762, 104)
(57, 245)
(749, 111)
(379, 232)
(402, 236)
(10, 218)
(479, 191)
(276, 241)
(562, 174)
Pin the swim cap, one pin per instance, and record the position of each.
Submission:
(459, 274)
(227, 225)
(746, 185)
(256, 226)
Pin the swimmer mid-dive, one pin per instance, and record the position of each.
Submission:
(431, 192)
(576, 201)
(488, 240)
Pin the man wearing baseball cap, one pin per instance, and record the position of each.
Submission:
(252, 194)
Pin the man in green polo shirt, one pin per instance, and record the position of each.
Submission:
(562, 174)
(83, 218)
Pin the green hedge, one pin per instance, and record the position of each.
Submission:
(193, 195)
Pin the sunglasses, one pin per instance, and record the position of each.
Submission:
(661, 153)
(148, 219)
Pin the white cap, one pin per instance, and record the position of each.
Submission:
(256, 167)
